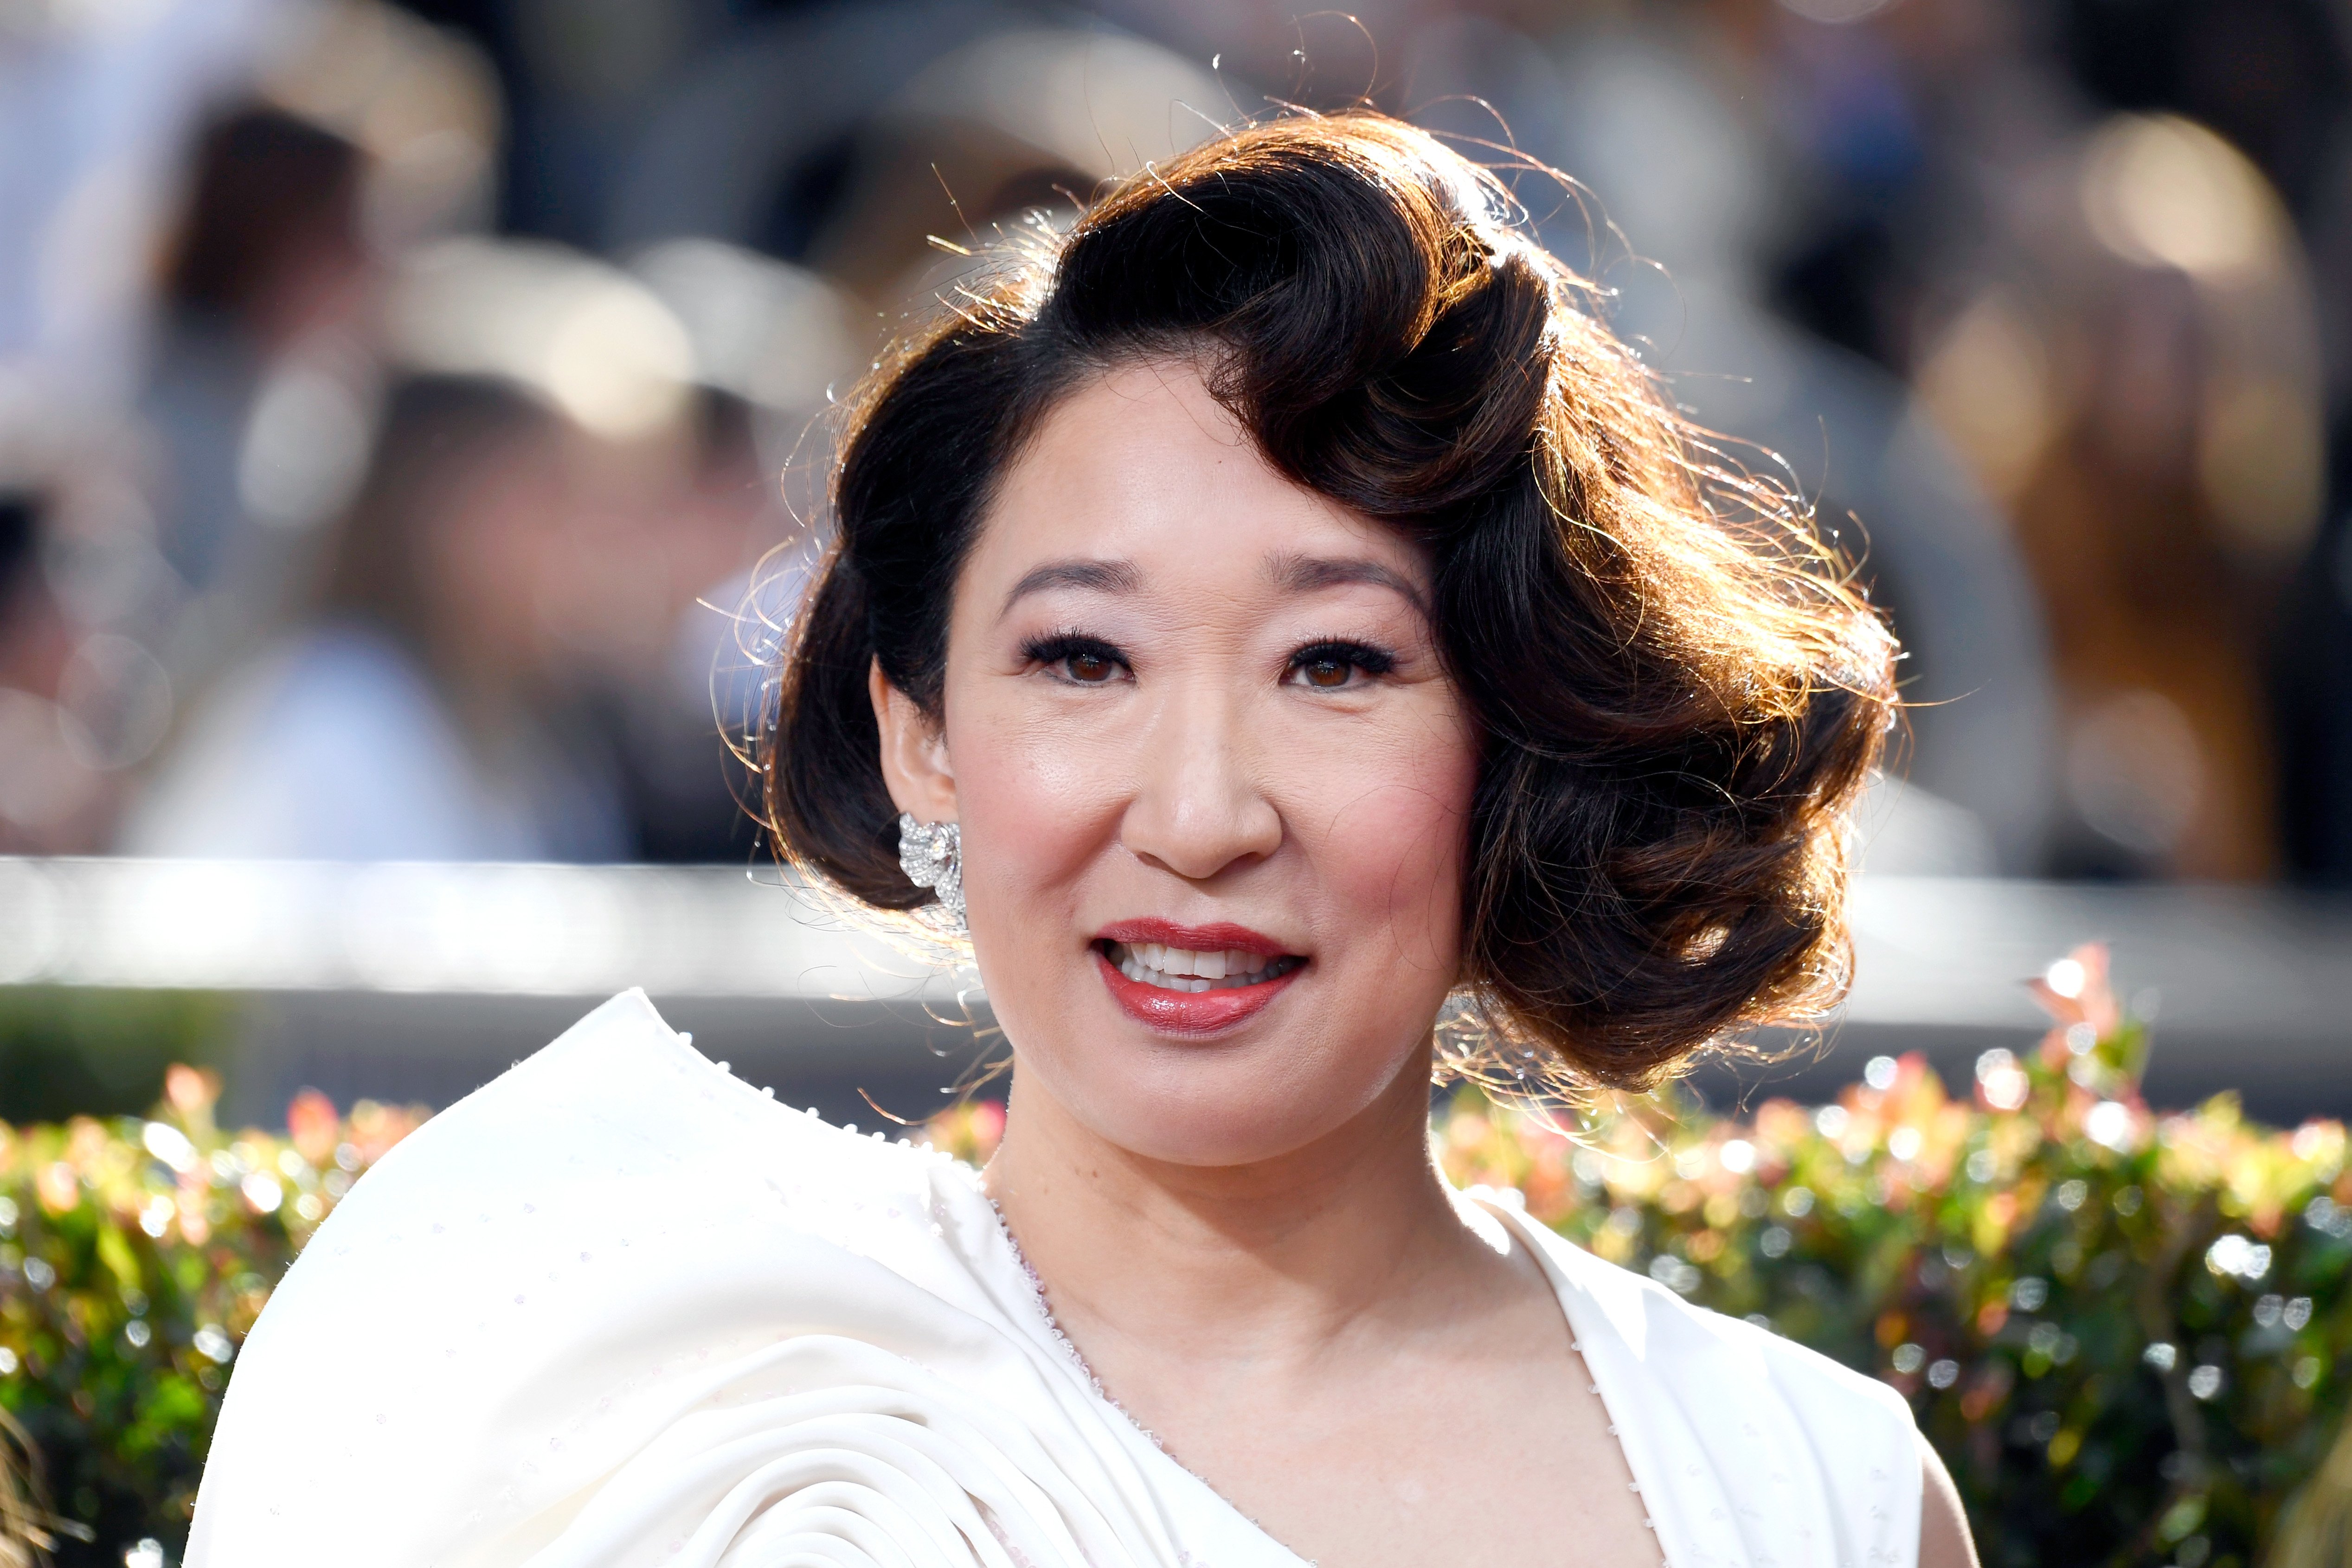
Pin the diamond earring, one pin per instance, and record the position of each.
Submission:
(931, 854)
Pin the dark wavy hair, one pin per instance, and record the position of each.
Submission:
(1680, 692)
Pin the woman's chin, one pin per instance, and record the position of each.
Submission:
(1206, 1138)
(1250, 1096)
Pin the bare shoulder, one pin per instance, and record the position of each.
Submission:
(1944, 1540)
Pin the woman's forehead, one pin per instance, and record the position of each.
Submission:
(1143, 472)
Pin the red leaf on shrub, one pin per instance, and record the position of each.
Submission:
(312, 1122)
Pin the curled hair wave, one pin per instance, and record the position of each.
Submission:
(1679, 691)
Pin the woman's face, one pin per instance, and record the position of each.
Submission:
(1213, 779)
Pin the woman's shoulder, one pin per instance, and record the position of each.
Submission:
(1742, 1438)
(621, 1127)
(511, 1301)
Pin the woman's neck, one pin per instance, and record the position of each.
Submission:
(1275, 1262)
(1325, 1341)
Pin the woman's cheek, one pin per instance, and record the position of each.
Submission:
(1393, 831)
(1038, 817)
(1041, 789)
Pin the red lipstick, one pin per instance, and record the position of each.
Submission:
(1193, 938)
(1195, 1012)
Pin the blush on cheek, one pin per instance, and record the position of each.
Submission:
(1394, 854)
(1036, 822)
(1038, 814)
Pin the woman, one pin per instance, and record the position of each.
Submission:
(1276, 614)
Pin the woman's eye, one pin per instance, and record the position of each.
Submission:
(1327, 673)
(1336, 667)
(1081, 661)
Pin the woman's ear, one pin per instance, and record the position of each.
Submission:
(914, 752)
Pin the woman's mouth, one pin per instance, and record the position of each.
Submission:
(1183, 968)
(1191, 980)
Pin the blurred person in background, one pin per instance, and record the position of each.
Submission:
(98, 102)
(1694, 189)
(729, 552)
(429, 714)
(2111, 316)
(683, 790)
(2313, 676)
(52, 800)
(2175, 484)
(2073, 233)
(265, 361)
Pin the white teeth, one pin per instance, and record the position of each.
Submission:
(1181, 969)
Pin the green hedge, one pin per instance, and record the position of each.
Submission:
(134, 1255)
(67, 1051)
(2125, 1333)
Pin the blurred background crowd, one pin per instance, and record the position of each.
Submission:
(409, 413)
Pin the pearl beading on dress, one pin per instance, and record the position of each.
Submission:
(1069, 1347)
(1576, 1347)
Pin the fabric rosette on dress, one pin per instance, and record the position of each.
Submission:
(618, 1307)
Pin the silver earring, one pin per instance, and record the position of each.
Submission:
(931, 854)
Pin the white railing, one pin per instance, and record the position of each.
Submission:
(388, 963)
(493, 929)
(1931, 950)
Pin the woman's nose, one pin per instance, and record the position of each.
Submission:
(1197, 807)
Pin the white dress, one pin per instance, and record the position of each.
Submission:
(619, 1307)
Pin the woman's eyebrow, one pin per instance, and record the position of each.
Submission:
(1307, 574)
(1100, 577)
